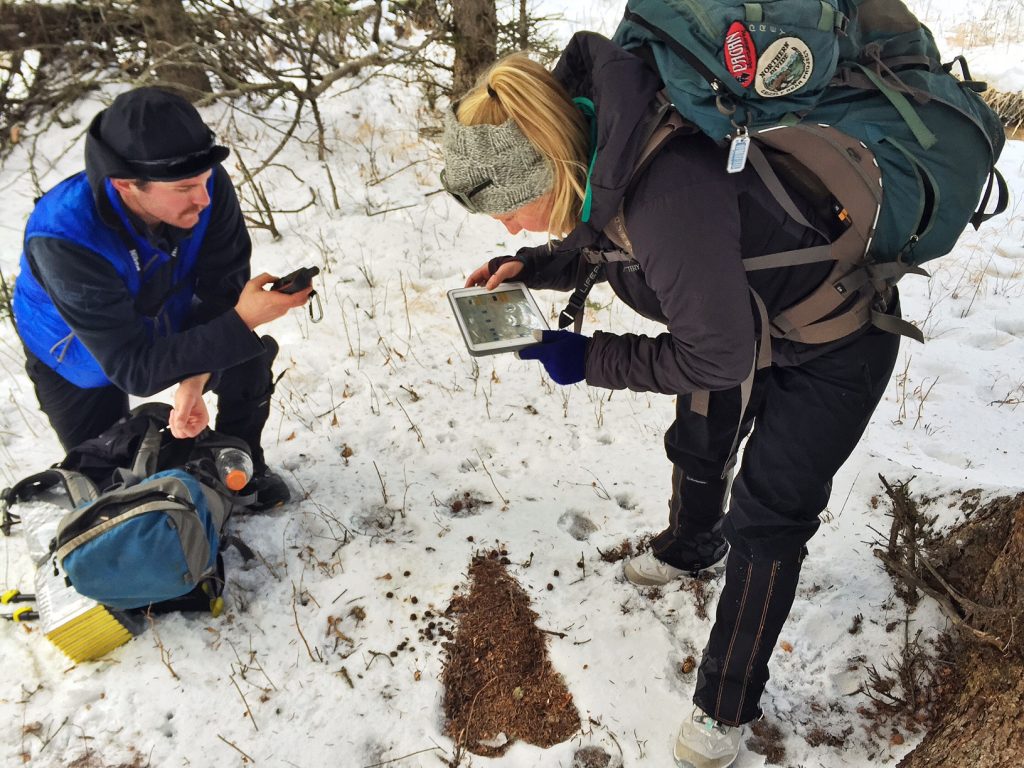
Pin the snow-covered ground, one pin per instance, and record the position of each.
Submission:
(381, 420)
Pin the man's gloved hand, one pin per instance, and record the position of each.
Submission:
(563, 354)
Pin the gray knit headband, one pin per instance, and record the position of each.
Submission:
(495, 165)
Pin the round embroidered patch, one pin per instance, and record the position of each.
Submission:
(739, 54)
(784, 67)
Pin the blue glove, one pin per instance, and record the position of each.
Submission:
(563, 354)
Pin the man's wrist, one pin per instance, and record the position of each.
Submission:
(197, 382)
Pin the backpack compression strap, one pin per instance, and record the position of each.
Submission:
(821, 152)
(77, 486)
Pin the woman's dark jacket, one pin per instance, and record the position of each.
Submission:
(690, 223)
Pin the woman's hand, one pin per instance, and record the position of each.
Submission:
(482, 274)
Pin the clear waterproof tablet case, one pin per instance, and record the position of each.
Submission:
(502, 320)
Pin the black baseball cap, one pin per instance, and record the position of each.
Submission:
(154, 135)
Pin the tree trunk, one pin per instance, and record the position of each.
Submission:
(524, 26)
(170, 37)
(982, 722)
(476, 41)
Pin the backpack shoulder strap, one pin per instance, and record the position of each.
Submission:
(853, 180)
(666, 123)
(145, 462)
(79, 489)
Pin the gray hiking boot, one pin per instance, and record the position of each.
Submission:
(647, 570)
(703, 742)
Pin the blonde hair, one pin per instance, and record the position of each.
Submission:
(518, 88)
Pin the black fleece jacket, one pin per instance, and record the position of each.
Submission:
(95, 303)
(690, 223)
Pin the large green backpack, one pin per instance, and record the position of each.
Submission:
(848, 103)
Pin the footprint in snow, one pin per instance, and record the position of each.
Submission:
(576, 525)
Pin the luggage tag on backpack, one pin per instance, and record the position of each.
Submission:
(738, 149)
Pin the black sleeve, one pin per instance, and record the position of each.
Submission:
(223, 260)
(548, 268)
(94, 302)
(685, 226)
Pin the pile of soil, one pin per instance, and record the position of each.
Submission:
(499, 683)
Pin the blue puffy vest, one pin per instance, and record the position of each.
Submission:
(68, 212)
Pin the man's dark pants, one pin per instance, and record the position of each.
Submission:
(77, 414)
(803, 423)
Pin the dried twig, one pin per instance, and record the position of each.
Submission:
(396, 759)
(247, 709)
(383, 490)
(295, 613)
(165, 655)
(419, 435)
(235, 747)
(489, 477)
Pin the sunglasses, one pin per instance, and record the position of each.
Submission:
(464, 198)
(179, 163)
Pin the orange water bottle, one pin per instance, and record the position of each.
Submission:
(235, 467)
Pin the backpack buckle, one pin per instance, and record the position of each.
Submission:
(7, 520)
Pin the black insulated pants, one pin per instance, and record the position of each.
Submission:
(803, 422)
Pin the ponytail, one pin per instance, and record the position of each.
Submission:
(520, 89)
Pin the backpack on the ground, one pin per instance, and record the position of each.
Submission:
(146, 526)
(848, 103)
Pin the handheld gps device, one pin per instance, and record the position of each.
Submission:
(501, 320)
(295, 281)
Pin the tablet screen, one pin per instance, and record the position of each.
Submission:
(498, 316)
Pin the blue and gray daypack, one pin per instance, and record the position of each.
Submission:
(848, 103)
(146, 526)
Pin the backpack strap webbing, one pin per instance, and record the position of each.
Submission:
(666, 124)
(78, 487)
(853, 294)
(145, 462)
(586, 276)
(701, 399)
(981, 215)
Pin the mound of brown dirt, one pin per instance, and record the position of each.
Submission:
(499, 683)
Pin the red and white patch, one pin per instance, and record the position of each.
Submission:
(739, 54)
